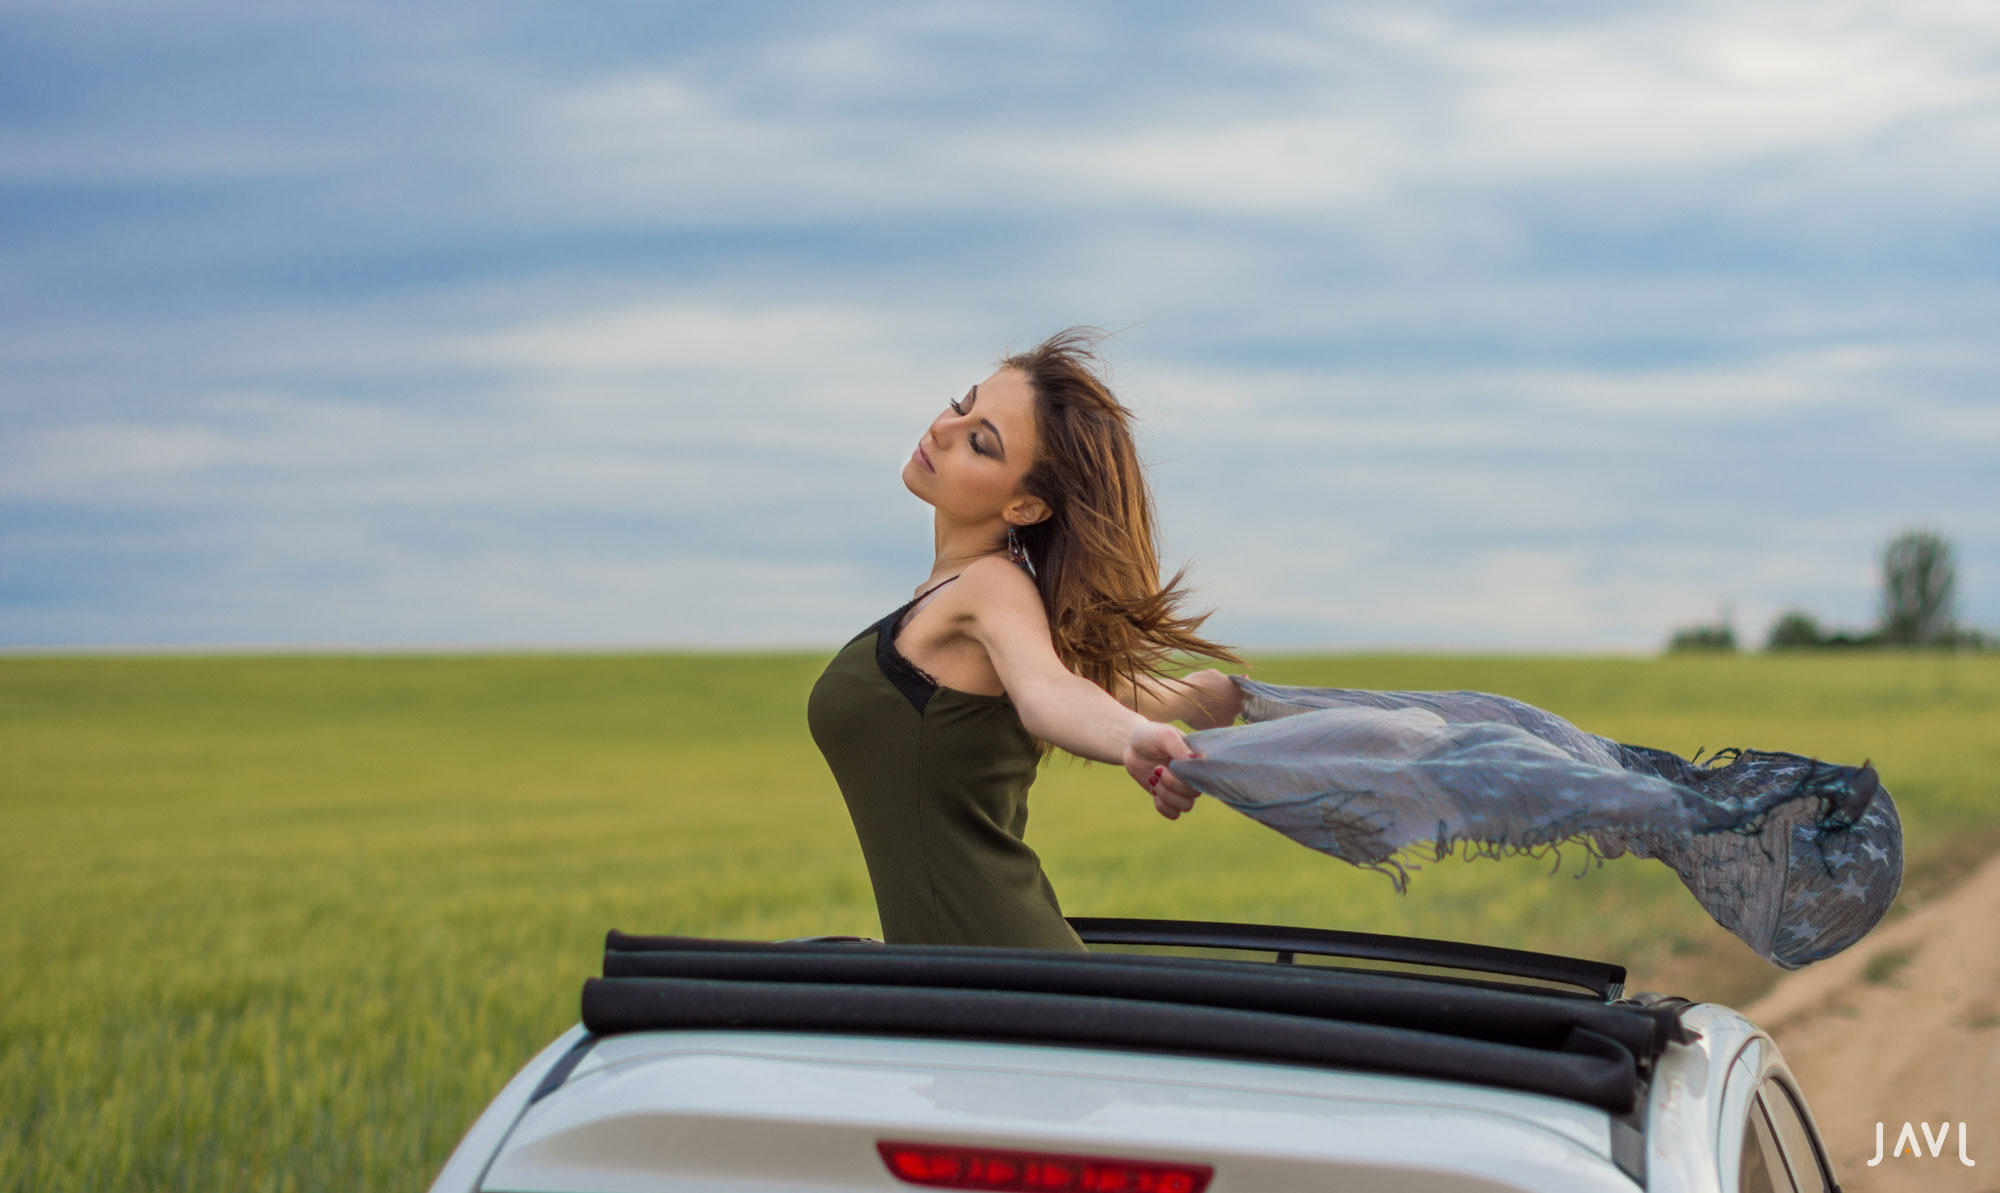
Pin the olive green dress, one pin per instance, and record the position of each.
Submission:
(936, 781)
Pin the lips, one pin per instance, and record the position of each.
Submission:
(924, 458)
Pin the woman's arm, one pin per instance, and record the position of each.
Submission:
(1004, 614)
(1204, 699)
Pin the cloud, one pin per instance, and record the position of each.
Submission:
(782, 343)
(1980, 425)
(1448, 326)
(1663, 90)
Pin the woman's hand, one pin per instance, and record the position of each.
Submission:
(1152, 745)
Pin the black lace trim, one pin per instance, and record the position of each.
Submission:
(911, 680)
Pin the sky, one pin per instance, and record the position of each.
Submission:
(1526, 327)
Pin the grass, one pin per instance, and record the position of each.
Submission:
(288, 923)
(1883, 967)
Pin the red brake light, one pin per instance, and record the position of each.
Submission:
(945, 1167)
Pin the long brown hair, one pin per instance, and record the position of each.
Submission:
(1096, 556)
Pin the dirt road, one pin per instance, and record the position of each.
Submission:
(1904, 1027)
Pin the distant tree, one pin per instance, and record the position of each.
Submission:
(1718, 635)
(1919, 590)
(1794, 629)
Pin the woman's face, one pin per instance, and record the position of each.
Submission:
(970, 462)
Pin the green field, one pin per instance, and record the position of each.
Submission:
(288, 923)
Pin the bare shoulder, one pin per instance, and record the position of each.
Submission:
(993, 576)
(994, 591)
(993, 573)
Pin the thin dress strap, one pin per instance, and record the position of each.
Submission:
(918, 603)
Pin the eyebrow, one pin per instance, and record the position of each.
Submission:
(971, 396)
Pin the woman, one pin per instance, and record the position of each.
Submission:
(1042, 622)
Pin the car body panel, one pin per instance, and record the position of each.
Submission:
(1757, 1065)
(469, 1160)
(1687, 1106)
(1700, 1099)
(753, 1110)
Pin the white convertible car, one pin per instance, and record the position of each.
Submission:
(1175, 1058)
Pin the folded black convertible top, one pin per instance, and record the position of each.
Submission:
(1587, 1048)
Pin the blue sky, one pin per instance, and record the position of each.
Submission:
(1521, 327)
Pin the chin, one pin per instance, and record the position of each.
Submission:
(913, 476)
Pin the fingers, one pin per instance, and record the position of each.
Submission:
(1171, 794)
(1172, 782)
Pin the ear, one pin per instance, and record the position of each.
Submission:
(1026, 511)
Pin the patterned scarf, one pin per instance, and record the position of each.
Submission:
(1799, 858)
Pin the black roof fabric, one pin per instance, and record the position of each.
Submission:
(1555, 1043)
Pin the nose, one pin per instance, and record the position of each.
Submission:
(943, 424)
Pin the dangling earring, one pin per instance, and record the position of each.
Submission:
(1018, 553)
